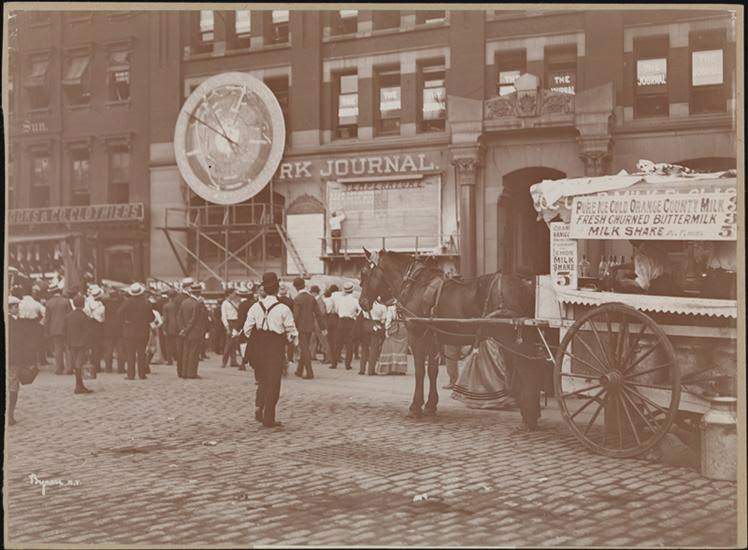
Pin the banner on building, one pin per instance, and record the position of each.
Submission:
(675, 216)
(563, 256)
(129, 212)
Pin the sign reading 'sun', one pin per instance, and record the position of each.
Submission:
(229, 138)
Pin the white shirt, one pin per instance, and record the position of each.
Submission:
(28, 308)
(347, 306)
(329, 304)
(336, 222)
(158, 321)
(94, 309)
(390, 316)
(229, 312)
(279, 320)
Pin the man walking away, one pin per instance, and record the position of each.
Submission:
(194, 319)
(229, 317)
(78, 339)
(319, 338)
(307, 316)
(269, 327)
(181, 297)
(284, 298)
(113, 341)
(169, 328)
(348, 310)
(247, 299)
(336, 231)
(331, 317)
(57, 309)
(137, 316)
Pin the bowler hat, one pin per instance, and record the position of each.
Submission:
(270, 281)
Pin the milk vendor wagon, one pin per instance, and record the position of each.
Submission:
(630, 367)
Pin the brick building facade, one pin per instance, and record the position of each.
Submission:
(425, 127)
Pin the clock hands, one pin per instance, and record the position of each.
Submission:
(222, 134)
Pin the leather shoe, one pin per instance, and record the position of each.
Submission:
(258, 415)
(308, 377)
(129, 378)
(242, 368)
(361, 372)
(348, 368)
(297, 373)
(273, 425)
(332, 367)
(82, 390)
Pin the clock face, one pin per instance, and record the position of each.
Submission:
(229, 138)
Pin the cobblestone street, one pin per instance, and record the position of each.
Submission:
(170, 461)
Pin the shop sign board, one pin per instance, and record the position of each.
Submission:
(368, 165)
(128, 212)
(709, 216)
(563, 256)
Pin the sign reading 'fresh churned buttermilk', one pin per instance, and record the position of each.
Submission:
(370, 165)
(702, 216)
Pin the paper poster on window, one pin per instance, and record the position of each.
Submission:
(389, 99)
(706, 67)
(562, 81)
(563, 256)
(651, 72)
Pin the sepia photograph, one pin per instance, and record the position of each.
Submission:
(374, 275)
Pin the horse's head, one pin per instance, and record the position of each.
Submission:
(381, 277)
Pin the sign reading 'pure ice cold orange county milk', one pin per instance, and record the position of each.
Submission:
(709, 216)
(563, 256)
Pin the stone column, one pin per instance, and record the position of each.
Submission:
(594, 118)
(466, 163)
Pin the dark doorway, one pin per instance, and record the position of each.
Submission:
(523, 241)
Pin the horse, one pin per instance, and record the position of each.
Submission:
(421, 289)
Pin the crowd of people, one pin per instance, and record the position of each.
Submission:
(84, 331)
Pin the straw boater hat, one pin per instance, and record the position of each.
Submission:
(187, 282)
(55, 287)
(136, 289)
(348, 287)
(196, 287)
(242, 290)
(96, 291)
(12, 301)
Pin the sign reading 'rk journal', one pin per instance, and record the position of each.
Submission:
(687, 216)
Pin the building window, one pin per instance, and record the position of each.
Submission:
(650, 84)
(509, 65)
(385, 20)
(119, 176)
(40, 180)
(279, 87)
(345, 22)
(707, 72)
(390, 108)
(346, 106)
(77, 81)
(561, 70)
(433, 98)
(243, 23)
(206, 26)
(36, 84)
(425, 17)
(280, 27)
(119, 76)
(80, 177)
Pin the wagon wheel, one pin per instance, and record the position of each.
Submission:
(624, 366)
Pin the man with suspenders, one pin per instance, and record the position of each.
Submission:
(269, 327)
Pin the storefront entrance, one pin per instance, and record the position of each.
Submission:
(524, 242)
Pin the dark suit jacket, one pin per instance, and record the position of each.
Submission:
(136, 314)
(199, 321)
(305, 311)
(77, 329)
(185, 313)
(57, 309)
(171, 310)
(112, 319)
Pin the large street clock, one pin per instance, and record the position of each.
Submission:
(229, 138)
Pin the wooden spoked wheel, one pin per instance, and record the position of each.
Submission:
(623, 366)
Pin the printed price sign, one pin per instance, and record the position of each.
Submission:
(706, 216)
(563, 256)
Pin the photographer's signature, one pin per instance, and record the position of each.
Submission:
(34, 480)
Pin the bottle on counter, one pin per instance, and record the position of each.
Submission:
(584, 267)
(602, 267)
